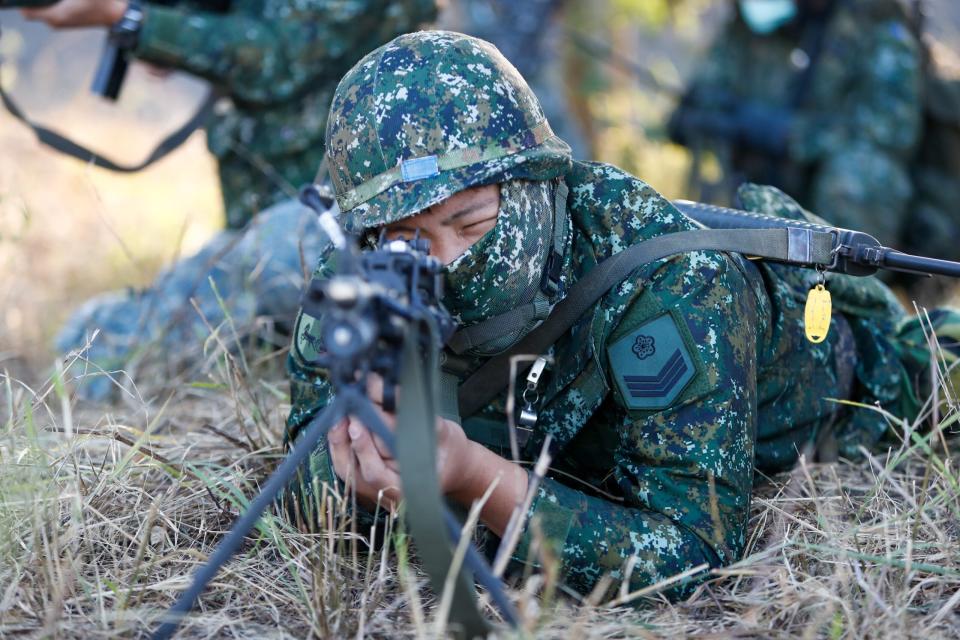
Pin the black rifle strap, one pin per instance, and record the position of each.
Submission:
(792, 245)
(68, 147)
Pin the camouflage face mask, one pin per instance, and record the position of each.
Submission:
(504, 269)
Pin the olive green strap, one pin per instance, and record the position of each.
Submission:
(504, 324)
(448, 385)
(791, 245)
(416, 455)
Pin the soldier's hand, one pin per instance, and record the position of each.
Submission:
(357, 461)
(360, 455)
(79, 13)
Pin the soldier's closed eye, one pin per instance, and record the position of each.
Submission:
(485, 225)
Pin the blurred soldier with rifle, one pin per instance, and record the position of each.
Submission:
(833, 101)
(273, 65)
(275, 61)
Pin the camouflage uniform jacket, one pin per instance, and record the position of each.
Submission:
(278, 61)
(864, 87)
(660, 398)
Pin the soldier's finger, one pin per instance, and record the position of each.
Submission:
(338, 433)
(382, 448)
(341, 453)
(375, 389)
(372, 467)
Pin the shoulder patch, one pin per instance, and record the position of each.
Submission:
(307, 345)
(652, 365)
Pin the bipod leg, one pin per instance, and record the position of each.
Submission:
(277, 481)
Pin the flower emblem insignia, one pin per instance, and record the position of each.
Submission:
(644, 346)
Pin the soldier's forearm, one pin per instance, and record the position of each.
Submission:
(79, 13)
(258, 59)
(486, 467)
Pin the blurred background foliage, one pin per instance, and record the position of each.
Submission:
(68, 230)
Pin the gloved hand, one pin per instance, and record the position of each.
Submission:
(763, 128)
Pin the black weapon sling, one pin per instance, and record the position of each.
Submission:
(797, 243)
(66, 146)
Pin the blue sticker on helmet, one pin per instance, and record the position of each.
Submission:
(419, 168)
(652, 365)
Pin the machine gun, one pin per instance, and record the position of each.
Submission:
(381, 314)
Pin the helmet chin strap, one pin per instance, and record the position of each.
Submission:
(493, 335)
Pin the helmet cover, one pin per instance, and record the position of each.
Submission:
(427, 115)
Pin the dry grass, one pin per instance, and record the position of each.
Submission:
(105, 512)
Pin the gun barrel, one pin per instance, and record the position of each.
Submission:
(898, 261)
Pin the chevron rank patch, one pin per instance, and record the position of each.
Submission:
(652, 365)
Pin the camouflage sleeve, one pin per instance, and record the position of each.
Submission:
(310, 393)
(269, 56)
(884, 108)
(682, 369)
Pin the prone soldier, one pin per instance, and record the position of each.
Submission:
(662, 398)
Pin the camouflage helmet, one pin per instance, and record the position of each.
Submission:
(427, 115)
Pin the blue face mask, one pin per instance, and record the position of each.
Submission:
(766, 16)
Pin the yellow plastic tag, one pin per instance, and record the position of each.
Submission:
(816, 316)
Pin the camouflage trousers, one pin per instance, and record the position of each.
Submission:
(251, 279)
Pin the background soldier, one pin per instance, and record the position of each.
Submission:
(821, 98)
(662, 397)
(277, 61)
